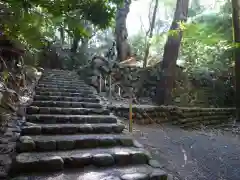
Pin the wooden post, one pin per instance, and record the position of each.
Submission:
(110, 87)
(100, 83)
(130, 114)
(105, 83)
(119, 91)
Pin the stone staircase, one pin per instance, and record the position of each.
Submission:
(69, 135)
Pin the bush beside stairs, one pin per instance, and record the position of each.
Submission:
(69, 135)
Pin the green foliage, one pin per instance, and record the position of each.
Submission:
(207, 53)
(31, 21)
(206, 43)
(206, 49)
(138, 43)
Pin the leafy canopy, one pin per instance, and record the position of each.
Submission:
(34, 20)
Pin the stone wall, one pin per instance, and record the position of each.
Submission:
(124, 76)
(183, 117)
(133, 80)
(11, 121)
(142, 82)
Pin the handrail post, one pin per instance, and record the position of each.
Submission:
(119, 91)
(130, 114)
(105, 83)
(110, 87)
(100, 83)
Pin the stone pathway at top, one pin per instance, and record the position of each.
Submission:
(70, 136)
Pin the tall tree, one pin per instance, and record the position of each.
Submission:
(171, 50)
(121, 34)
(152, 25)
(236, 38)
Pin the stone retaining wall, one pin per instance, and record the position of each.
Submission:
(123, 76)
(133, 80)
(15, 120)
(209, 91)
(183, 117)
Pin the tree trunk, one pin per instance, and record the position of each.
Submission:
(74, 48)
(84, 45)
(121, 34)
(236, 38)
(171, 50)
(75, 43)
(85, 40)
(62, 36)
(152, 25)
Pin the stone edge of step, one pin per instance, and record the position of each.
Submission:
(98, 157)
(138, 172)
(42, 143)
(63, 110)
(76, 128)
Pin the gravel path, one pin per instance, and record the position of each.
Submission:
(192, 155)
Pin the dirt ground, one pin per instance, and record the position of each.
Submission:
(192, 155)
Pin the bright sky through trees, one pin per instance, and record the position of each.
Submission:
(140, 8)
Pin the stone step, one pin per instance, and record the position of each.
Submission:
(65, 98)
(57, 88)
(131, 172)
(66, 104)
(63, 86)
(40, 143)
(80, 119)
(56, 76)
(60, 75)
(37, 129)
(64, 78)
(62, 82)
(73, 111)
(66, 94)
(99, 157)
(46, 70)
(80, 90)
(57, 73)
